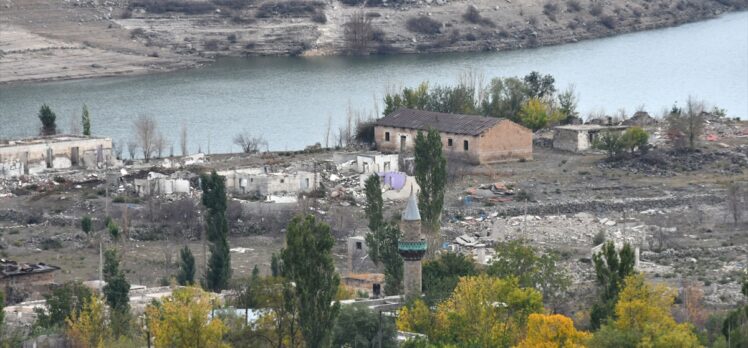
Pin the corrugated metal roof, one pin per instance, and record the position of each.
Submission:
(443, 122)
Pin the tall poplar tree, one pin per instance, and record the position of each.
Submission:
(86, 120)
(307, 262)
(117, 293)
(214, 199)
(382, 238)
(431, 175)
(611, 268)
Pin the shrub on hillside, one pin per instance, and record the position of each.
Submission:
(423, 25)
(293, 8)
(609, 21)
(596, 9)
(472, 15)
(573, 6)
(234, 4)
(319, 17)
(161, 6)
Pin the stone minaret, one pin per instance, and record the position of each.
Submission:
(412, 247)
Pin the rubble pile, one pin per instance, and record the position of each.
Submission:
(669, 163)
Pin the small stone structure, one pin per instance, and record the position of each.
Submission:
(157, 184)
(261, 182)
(376, 163)
(412, 246)
(19, 280)
(35, 155)
(469, 138)
(579, 138)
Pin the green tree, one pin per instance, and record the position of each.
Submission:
(113, 230)
(505, 98)
(247, 292)
(532, 270)
(214, 199)
(536, 114)
(431, 175)
(86, 120)
(308, 263)
(567, 104)
(611, 268)
(440, 276)
(117, 293)
(86, 224)
(186, 275)
(634, 138)
(275, 265)
(47, 117)
(539, 86)
(61, 303)
(382, 238)
(359, 326)
(2, 312)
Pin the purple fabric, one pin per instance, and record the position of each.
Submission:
(396, 180)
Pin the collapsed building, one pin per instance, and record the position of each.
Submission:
(156, 184)
(262, 182)
(21, 280)
(469, 138)
(580, 138)
(35, 155)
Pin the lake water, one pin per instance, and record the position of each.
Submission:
(289, 100)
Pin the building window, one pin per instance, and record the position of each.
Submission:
(449, 142)
(403, 138)
(359, 246)
(465, 145)
(386, 136)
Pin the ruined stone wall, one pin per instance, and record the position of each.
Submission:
(33, 155)
(568, 140)
(272, 184)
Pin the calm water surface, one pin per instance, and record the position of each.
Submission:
(289, 100)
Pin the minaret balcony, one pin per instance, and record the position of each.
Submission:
(412, 251)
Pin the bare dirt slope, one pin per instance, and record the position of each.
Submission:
(74, 39)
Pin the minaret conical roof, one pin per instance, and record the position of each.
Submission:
(411, 210)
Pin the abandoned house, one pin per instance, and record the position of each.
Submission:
(21, 281)
(35, 155)
(580, 138)
(473, 139)
(262, 182)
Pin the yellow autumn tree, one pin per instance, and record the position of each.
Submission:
(536, 114)
(182, 321)
(643, 318)
(416, 318)
(485, 311)
(553, 331)
(90, 327)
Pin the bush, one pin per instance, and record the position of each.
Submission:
(353, 2)
(50, 244)
(423, 25)
(319, 17)
(550, 9)
(609, 21)
(211, 45)
(231, 38)
(234, 4)
(473, 16)
(136, 33)
(161, 6)
(293, 8)
(365, 132)
(573, 6)
(596, 9)
(86, 224)
(599, 238)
